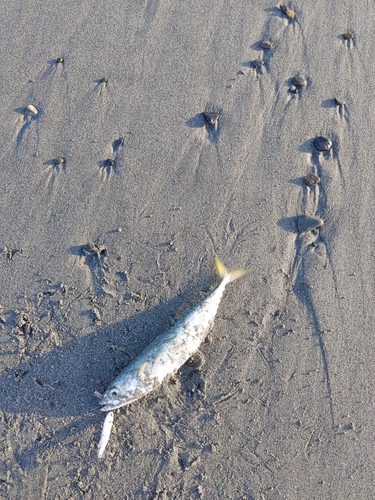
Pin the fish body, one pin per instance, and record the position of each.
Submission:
(168, 351)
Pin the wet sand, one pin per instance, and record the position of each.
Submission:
(102, 249)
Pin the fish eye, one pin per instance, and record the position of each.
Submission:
(114, 392)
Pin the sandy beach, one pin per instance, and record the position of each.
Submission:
(117, 192)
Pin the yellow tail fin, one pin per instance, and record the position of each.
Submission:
(222, 271)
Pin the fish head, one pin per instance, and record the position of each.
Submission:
(111, 399)
(121, 392)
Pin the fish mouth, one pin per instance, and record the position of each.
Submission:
(110, 406)
(114, 403)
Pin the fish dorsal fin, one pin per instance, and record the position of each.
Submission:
(223, 272)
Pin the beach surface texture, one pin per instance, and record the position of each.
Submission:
(138, 140)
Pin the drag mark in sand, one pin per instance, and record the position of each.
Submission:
(349, 38)
(304, 263)
(212, 117)
(275, 28)
(29, 114)
(101, 85)
(109, 166)
(312, 261)
(53, 168)
(207, 126)
(342, 109)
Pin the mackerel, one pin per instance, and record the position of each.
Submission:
(170, 350)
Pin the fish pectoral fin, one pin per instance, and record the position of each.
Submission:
(223, 271)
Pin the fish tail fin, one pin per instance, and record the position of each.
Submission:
(223, 272)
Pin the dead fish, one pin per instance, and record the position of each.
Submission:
(106, 432)
(170, 350)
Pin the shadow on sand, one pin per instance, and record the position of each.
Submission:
(62, 383)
